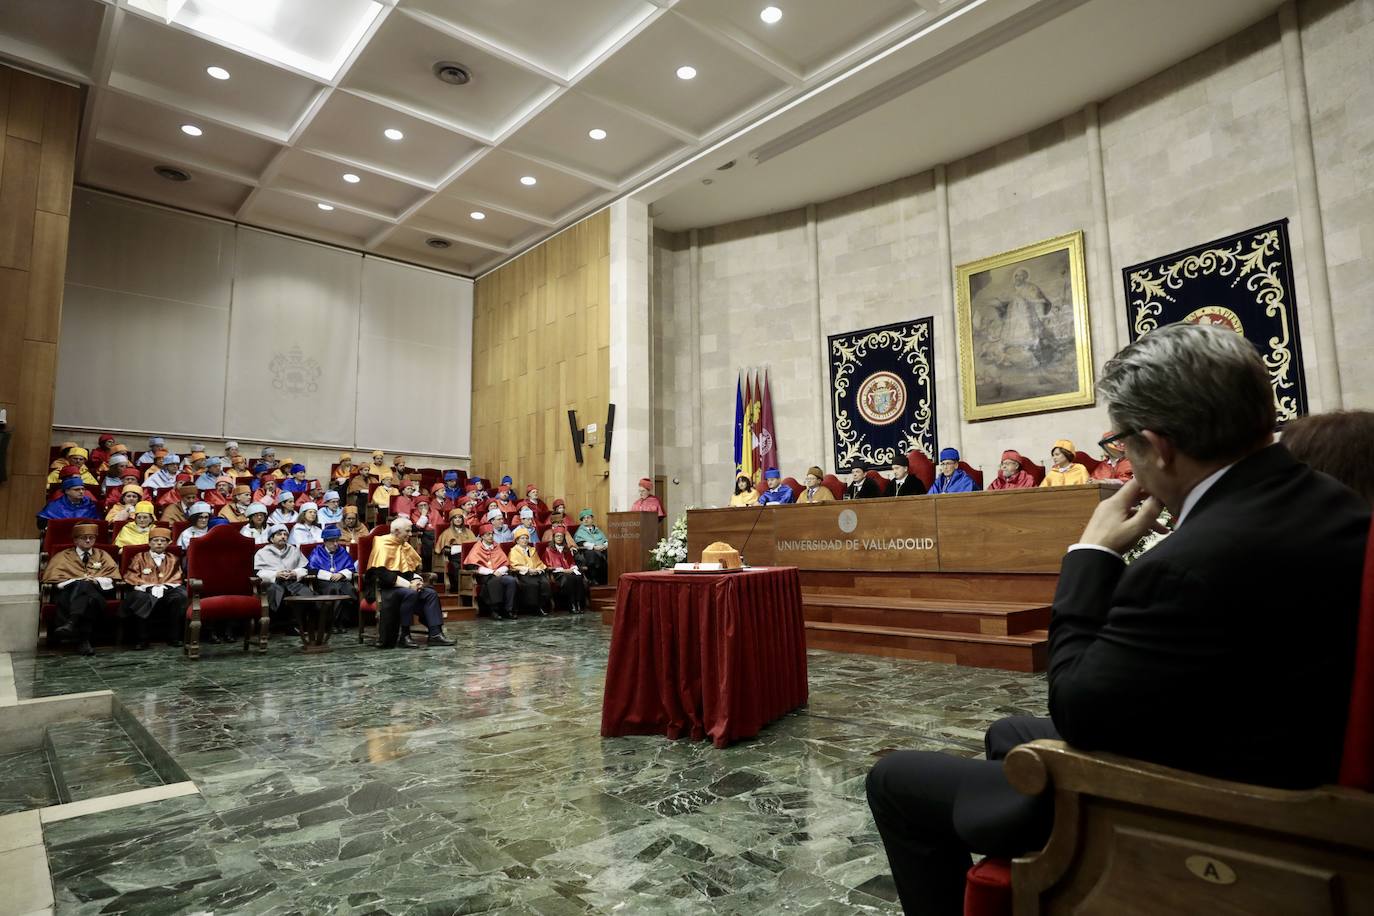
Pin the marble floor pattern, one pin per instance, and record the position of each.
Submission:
(475, 781)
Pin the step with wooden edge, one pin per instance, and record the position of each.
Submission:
(1027, 652)
(990, 618)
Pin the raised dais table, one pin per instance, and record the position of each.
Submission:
(700, 656)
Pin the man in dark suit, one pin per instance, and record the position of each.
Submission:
(860, 487)
(1210, 653)
(905, 483)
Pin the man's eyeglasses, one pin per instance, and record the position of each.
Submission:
(1115, 438)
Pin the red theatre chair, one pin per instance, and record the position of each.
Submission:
(832, 483)
(58, 534)
(881, 481)
(1140, 828)
(920, 465)
(367, 591)
(973, 473)
(1035, 469)
(223, 587)
(796, 487)
(1087, 461)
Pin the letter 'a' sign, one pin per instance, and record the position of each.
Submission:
(1213, 871)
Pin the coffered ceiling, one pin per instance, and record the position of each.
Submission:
(484, 168)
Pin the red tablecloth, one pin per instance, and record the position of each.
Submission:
(705, 655)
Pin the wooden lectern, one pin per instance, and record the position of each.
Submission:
(633, 535)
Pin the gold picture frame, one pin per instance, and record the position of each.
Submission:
(1024, 342)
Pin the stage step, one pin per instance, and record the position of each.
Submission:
(93, 758)
(989, 618)
(1020, 652)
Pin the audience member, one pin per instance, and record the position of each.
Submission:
(592, 546)
(378, 466)
(282, 567)
(199, 516)
(861, 486)
(257, 527)
(449, 547)
(114, 471)
(1337, 443)
(83, 578)
(815, 491)
(100, 455)
(307, 529)
(558, 517)
(265, 488)
(285, 512)
(210, 477)
(155, 591)
(949, 477)
(534, 592)
(386, 489)
(1133, 648)
(74, 502)
(1011, 475)
(395, 567)
(296, 483)
(647, 501)
(745, 494)
(569, 585)
(777, 493)
(331, 513)
(1114, 465)
(905, 483)
(1064, 471)
(155, 444)
(129, 497)
(500, 526)
(137, 532)
(489, 562)
(237, 509)
(180, 509)
(166, 474)
(335, 572)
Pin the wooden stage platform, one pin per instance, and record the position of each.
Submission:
(963, 578)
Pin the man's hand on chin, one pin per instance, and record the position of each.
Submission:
(1121, 520)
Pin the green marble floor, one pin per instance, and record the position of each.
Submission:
(474, 780)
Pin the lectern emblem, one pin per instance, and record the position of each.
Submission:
(849, 520)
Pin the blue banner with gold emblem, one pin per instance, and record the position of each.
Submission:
(882, 393)
(1243, 282)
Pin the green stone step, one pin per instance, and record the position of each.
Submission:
(94, 758)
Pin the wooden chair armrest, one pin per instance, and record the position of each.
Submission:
(1046, 764)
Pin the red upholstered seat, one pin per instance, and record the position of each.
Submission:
(972, 472)
(58, 533)
(223, 587)
(987, 890)
(1357, 761)
(367, 595)
(832, 483)
(796, 487)
(919, 464)
(1033, 468)
(882, 482)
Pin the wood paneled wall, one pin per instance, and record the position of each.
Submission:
(38, 129)
(541, 346)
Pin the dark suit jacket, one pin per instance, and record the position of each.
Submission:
(910, 486)
(1226, 650)
(866, 490)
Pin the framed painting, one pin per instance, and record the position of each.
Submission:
(1024, 342)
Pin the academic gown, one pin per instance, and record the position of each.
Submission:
(1072, 475)
(80, 603)
(234, 512)
(958, 482)
(1120, 471)
(394, 564)
(292, 485)
(496, 592)
(867, 489)
(821, 494)
(592, 541)
(1021, 480)
(779, 497)
(269, 563)
(63, 508)
(157, 592)
(910, 485)
(652, 504)
(533, 591)
(569, 585)
(322, 561)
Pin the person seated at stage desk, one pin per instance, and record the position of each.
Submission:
(905, 483)
(1010, 473)
(1116, 466)
(647, 501)
(949, 477)
(860, 485)
(778, 493)
(1064, 471)
(815, 491)
(745, 494)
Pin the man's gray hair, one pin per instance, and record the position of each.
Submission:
(400, 523)
(1204, 387)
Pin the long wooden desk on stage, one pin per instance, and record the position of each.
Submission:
(964, 578)
(632, 536)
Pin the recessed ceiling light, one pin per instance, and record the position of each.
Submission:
(455, 74)
(218, 73)
(770, 14)
(172, 173)
(477, 214)
(325, 206)
(686, 73)
(392, 133)
(436, 242)
(529, 181)
(597, 133)
(191, 130)
(351, 178)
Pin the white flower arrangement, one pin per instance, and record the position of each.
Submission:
(673, 549)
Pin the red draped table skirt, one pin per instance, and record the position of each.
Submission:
(705, 655)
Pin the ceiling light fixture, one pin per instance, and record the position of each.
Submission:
(218, 73)
(351, 178)
(478, 215)
(597, 133)
(172, 173)
(770, 14)
(446, 71)
(191, 130)
(437, 242)
(325, 206)
(528, 181)
(686, 73)
(392, 133)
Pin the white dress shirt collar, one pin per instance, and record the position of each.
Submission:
(1199, 490)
